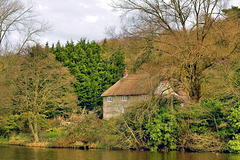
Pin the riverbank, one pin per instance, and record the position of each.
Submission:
(153, 126)
(22, 142)
(25, 142)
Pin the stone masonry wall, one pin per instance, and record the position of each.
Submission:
(117, 106)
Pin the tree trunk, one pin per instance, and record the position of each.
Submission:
(195, 92)
(33, 127)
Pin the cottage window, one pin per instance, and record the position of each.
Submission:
(109, 99)
(124, 98)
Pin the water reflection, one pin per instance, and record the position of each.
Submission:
(24, 153)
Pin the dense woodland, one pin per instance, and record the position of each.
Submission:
(50, 95)
(94, 73)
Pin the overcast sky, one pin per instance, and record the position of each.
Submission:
(76, 19)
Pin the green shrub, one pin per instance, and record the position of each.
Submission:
(234, 119)
(234, 129)
(161, 130)
(234, 145)
(204, 126)
(149, 125)
(14, 123)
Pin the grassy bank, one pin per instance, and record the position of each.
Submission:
(48, 140)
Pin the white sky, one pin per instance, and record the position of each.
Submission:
(234, 3)
(76, 19)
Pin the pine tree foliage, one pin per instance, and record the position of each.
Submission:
(93, 74)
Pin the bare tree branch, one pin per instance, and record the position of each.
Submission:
(18, 21)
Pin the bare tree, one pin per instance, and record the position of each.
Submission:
(41, 84)
(192, 36)
(171, 15)
(18, 25)
(6, 87)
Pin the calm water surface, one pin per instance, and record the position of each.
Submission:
(24, 153)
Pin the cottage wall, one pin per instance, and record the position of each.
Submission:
(118, 106)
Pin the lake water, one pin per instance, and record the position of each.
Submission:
(25, 153)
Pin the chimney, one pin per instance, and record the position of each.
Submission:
(125, 74)
(165, 80)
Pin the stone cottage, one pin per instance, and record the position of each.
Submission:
(129, 90)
